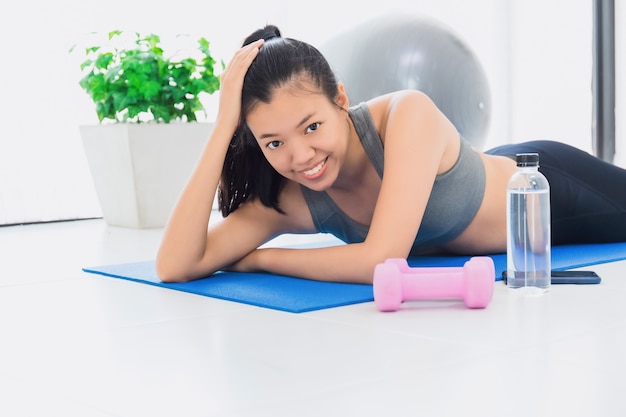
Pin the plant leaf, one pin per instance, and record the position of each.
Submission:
(132, 83)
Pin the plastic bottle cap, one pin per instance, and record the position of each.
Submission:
(527, 159)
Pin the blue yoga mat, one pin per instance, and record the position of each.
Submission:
(297, 295)
(278, 292)
(563, 257)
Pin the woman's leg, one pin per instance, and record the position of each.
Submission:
(587, 195)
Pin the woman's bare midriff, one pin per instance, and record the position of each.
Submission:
(487, 232)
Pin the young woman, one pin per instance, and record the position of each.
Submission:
(391, 177)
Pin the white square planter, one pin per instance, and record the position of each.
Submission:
(139, 170)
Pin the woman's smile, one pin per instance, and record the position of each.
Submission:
(315, 172)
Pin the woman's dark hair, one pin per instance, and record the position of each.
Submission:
(281, 61)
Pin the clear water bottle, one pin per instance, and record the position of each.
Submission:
(528, 227)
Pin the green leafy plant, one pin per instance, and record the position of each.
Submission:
(139, 83)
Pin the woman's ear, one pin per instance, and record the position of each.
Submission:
(342, 98)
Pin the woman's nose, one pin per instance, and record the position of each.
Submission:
(302, 152)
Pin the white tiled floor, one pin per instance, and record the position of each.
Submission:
(76, 344)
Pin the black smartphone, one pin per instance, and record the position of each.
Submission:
(570, 277)
(575, 277)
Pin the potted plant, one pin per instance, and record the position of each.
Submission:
(148, 138)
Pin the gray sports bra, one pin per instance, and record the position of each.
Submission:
(454, 200)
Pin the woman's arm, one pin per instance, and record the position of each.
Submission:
(186, 252)
(420, 142)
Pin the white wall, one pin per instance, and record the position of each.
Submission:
(551, 68)
(43, 171)
(535, 55)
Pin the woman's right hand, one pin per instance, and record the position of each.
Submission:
(232, 83)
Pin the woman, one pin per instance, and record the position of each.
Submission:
(290, 155)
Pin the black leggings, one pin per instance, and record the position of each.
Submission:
(587, 195)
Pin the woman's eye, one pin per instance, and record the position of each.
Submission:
(273, 144)
(312, 127)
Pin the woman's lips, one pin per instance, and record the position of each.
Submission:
(317, 171)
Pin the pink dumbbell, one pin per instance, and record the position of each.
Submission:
(395, 282)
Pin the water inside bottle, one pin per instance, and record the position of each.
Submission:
(528, 243)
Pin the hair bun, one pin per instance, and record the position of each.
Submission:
(271, 32)
(267, 33)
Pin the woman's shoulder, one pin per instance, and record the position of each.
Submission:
(383, 107)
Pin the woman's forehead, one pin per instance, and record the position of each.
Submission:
(286, 110)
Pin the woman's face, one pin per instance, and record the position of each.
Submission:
(302, 134)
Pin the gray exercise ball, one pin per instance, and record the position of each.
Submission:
(412, 52)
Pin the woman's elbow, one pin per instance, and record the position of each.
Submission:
(172, 270)
(169, 272)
